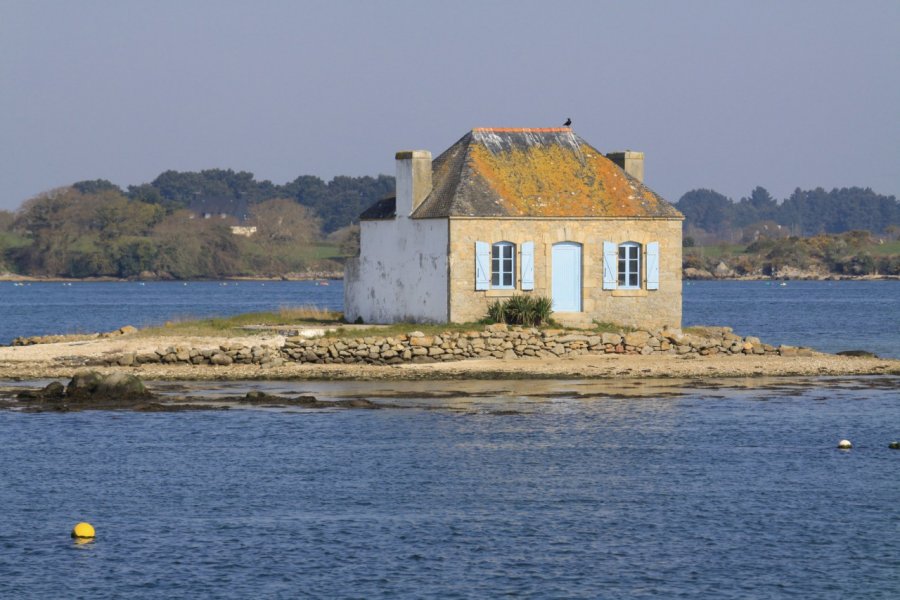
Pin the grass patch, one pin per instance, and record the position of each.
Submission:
(396, 329)
(607, 327)
(235, 325)
(886, 249)
(306, 252)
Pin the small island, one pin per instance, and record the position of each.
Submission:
(305, 344)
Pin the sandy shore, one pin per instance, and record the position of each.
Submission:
(59, 360)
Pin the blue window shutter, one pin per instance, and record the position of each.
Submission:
(482, 265)
(610, 265)
(528, 266)
(653, 266)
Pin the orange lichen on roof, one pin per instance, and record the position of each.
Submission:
(552, 180)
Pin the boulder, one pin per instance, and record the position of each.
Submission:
(723, 270)
(121, 386)
(613, 339)
(52, 392)
(692, 273)
(83, 384)
(637, 338)
(221, 359)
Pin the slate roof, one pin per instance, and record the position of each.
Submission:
(224, 205)
(386, 208)
(549, 172)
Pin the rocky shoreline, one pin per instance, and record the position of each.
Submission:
(308, 276)
(721, 273)
(496, 351)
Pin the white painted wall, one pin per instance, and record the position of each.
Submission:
(401, 273)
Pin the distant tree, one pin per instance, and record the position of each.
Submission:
(707, 209)
(96, 186)
(136, 255)
(347, 239)
(760, 206)
(284, 220)
(196, 248)
(341, 200)
(146, 193)
(7, 218)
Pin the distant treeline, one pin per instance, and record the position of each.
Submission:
(337, 203)
(182, 223)
(102, 232)
(804, 213)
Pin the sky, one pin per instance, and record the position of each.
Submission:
(717, 94)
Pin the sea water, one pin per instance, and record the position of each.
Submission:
(719, 489)
(725, 492)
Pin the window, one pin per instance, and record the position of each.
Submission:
(629, 265)
(495, 266)
(622, 264)
(503, 265)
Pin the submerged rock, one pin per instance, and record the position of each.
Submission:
(89, 390)
(857, 353)
(83, 385)
(258, 398)
(51, 392)
(90, 386)
(122, 386)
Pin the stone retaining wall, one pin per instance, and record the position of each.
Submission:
(497, 341)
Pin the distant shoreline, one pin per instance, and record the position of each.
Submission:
(15, 278)
(810, 277)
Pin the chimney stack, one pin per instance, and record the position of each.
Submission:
(413, 180)
(630, 162)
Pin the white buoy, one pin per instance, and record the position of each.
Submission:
(845, 444)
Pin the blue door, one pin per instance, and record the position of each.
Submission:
(566, 290)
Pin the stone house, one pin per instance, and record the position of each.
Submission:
(518, 211)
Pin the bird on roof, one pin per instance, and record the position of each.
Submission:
(567, 123)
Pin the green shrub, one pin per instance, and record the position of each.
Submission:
(521, 310)
(495, 311)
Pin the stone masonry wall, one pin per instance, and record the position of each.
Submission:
(497, 341)
(635, 308)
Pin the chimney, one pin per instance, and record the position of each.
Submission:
(413, 180)
(630, 162)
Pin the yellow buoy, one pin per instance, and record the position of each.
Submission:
(83, 530)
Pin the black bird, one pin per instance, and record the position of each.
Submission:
(567, 123)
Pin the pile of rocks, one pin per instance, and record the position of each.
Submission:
(266, 356)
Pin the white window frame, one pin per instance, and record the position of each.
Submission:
(629, 266)
(502, 266)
